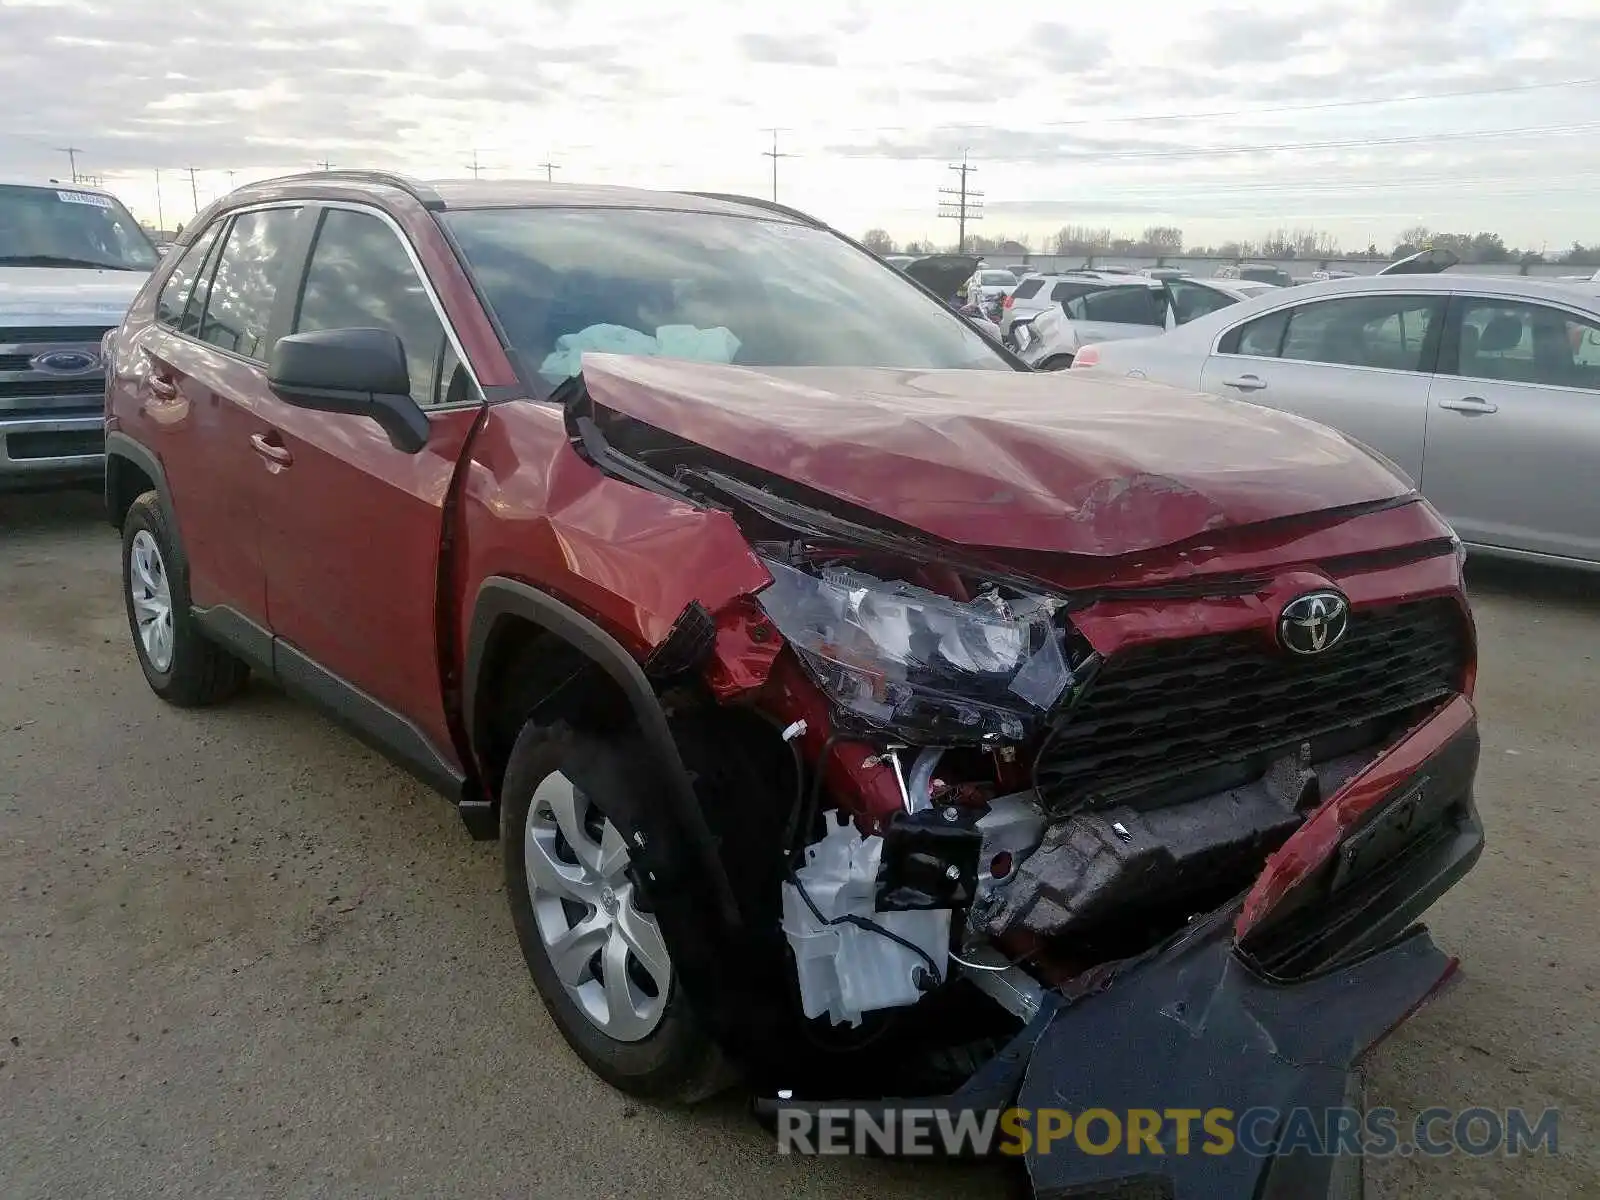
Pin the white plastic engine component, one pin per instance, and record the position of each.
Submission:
(845, 970)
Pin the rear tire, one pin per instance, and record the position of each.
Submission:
(181, 664)
(591, 944)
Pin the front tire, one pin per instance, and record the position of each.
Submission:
(591, 943)
(179, 662)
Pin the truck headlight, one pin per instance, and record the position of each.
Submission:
(930, 669)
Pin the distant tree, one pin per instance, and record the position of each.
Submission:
(1582, 256)
(1081, 240)
(878, 241)
(1412, 239)
(1161, 239)
(1489, 248)
(915, 247)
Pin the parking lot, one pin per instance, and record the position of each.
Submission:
(242, 955)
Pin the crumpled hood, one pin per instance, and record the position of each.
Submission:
(1063, 462)
(43, 296)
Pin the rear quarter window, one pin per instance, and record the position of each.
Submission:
(1027, 288)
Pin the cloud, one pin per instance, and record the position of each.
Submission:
(787, 50)
(1099, 112)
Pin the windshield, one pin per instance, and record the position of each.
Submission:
(59, 227)
(701, 285)
(998, 279)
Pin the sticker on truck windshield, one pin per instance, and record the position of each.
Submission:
(84, 198)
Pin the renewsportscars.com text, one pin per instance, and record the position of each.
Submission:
(1374, 1132)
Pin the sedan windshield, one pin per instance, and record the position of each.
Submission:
(721, 288)
(60, 227)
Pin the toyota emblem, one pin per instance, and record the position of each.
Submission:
(1314, 623)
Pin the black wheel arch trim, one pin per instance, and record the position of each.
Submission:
(500, 597)
(120, 446)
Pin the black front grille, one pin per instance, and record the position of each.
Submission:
(44, 389)
(1158, 713)
(53, 443)
(53, 334)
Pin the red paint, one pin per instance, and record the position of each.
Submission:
(1315, 841)
(1057, 462)
(747, 645)
(871, 793)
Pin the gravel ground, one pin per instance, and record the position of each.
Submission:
(242, 955)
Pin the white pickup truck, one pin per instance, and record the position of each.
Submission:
(71, 261)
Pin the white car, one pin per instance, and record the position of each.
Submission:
(71, 261)
(1101, 307)
(1484, 389)
(990, 284)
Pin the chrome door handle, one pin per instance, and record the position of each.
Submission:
(272, 451)
(1246, 383)
(1470, 404)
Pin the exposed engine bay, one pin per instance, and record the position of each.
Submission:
(959, 685)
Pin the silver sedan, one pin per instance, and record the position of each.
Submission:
(1484, 389)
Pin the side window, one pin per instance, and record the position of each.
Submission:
(1120, 306)
(1062, 292)
(1261, 338)
(1027, 288)
(175, 294)
(238, 312)
(360, 277)
(1392, 332)
(1527, 343)
(1191, 300)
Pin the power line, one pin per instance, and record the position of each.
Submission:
(775, 156)
(961, 203)
(1095, 156)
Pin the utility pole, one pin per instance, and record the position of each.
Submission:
(230, 175)
(549, 170)
(775, 156)
(72, 153)
(963, 203)
(324, 164)
(161, 220)
(475, 166)
(194, 189)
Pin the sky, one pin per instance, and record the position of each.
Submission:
(1359, 118)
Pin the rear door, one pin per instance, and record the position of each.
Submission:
(1513, 454)
(1361, 363)
(204, 370)
(352, 527)
(1111, 313)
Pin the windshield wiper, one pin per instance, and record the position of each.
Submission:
(62, 260)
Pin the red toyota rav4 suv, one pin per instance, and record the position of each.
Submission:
(852, 704)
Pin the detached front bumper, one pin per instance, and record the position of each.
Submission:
(1261, 1010)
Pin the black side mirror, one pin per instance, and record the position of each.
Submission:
(362, 372)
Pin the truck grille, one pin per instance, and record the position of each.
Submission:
(1153, 715)
(28, 391)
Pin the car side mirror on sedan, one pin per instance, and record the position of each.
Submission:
(361, 372)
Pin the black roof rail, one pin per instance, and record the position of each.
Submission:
(757, 202)
(416, 189)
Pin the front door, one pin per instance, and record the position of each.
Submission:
(351, 527)
(1514, 427)
(1361, 364)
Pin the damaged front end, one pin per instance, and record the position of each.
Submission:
(1161, 846)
